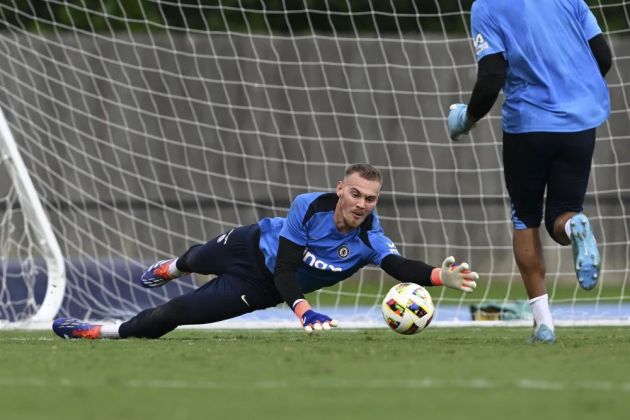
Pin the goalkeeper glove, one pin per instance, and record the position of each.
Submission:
(455, 276)
(311, 320)
(458, 121)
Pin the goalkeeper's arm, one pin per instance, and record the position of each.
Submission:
(450, 275)
(288, 261)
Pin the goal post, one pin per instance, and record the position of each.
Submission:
(139, 128)
(32, 311)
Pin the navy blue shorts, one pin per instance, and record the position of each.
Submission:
(559, 163)
(243, 284)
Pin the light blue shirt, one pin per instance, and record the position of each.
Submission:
(553, 82)
(330, 256)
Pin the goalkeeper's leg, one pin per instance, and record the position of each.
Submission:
(243, 285)
(223, 298)
(218, 255)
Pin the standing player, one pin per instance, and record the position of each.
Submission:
(325, 238)
(550, 57)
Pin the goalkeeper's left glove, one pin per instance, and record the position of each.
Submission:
(311, 320)
(458, 121)
(455, 276)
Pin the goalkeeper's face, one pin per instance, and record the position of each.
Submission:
(357, 197)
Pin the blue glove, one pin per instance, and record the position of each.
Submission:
(458, 121)
(312, 320)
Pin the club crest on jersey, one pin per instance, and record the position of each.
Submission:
(343, 251)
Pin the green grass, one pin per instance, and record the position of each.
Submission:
(466, 373)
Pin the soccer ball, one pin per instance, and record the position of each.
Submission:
(407, 308)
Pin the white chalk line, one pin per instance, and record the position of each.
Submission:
(473, 383)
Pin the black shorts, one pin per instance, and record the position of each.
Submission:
(557, 162)
(243, 283)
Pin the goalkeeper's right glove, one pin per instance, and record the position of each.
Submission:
(455, 276)
(311, 320)
(458, 121)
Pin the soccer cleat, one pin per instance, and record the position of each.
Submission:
(543, 334)
(585, 253)
(69, 328)
(157, 275)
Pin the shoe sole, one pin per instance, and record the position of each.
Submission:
(585, 252)
(543, 340)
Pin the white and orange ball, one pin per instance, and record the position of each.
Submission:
(408, 308)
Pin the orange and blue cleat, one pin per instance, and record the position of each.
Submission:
(69, 328)
(157, 275)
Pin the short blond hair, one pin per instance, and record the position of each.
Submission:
(365, 171)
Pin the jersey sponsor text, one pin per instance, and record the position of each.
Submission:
(312, 260)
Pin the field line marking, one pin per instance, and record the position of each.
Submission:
(473, 383)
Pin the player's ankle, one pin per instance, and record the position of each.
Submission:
(109, 331)
(173, 271)
(541, 311)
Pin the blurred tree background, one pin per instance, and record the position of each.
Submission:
(272, 16)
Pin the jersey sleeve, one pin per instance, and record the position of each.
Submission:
(381, 244)
(293, 229)
(486, 34)
(587, 20)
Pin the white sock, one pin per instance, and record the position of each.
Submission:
(172, 269)
(110, 331)
(567, 228)
(540, 308)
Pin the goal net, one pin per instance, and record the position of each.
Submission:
(143, 127)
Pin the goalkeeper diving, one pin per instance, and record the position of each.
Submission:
(325, 238)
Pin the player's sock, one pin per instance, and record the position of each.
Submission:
(110, 331)
(567, 228)
(541, 311)
(173, 271)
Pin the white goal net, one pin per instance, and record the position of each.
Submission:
(147, 126)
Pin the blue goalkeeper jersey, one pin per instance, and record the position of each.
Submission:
(553, 82)
(330, 256)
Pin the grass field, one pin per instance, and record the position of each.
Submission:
(466, 373)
